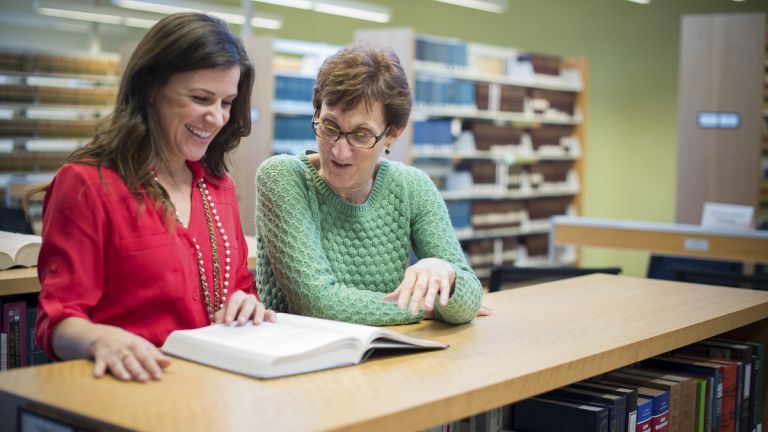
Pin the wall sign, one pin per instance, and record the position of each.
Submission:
(719, 120)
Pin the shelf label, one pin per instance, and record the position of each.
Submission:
(719, 120)
(696, 244)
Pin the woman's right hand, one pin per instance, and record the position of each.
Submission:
(126, 356)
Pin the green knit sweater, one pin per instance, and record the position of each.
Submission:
(321, 256)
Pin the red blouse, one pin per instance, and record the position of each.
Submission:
(112, 261)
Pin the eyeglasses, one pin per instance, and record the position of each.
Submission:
(358, 138)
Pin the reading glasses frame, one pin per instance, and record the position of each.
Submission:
(316, 125)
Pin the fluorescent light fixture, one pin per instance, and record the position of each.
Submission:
(495, 6)
(298, 4)
(346, 8)
(640, 1)
(228, 14)
(91, 13)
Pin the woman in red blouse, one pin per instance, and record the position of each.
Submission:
(141, 234)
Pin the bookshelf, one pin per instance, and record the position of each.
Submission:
(50, 104)
(762, 211)
(540, 338)
(501, 132)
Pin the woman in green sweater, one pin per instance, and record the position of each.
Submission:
(335, 228)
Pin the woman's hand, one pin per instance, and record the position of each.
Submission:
(242, 307)
(126, 356)
(421, 284)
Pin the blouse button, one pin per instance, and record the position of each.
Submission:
(195, 297)
(54, 266)
(191, 251)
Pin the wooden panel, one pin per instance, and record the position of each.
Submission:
(664, 242)
(721, 58)
(256, 147)
(540, 337)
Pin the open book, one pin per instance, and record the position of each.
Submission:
(18, 249)
(294, 344)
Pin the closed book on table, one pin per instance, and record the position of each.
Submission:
(713, 371)
(688, 395)
(616, 404)
(545, 415)
(631, 399)
(672, 387)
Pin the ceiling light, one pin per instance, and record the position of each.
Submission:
(91, 13)
(640, 1)
(495, 6)
(228, 14)
(346, 8)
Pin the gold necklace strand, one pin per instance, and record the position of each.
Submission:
(217, 283)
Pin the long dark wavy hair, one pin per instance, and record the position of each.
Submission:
(127, 141)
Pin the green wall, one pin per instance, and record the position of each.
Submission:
(631, 136)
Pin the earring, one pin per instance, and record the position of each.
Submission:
(387, 151)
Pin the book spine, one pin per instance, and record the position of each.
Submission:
(14, 316)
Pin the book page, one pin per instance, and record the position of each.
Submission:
(266, 341)
(18, 249)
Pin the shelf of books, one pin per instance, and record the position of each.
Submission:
(295, 66)
(500, 131)
(50, 104)
(762, 210)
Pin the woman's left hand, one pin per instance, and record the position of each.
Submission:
(242, 307)
(421, 284)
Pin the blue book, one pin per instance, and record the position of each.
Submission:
(644, 414)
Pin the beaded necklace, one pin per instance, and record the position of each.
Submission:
(220, 287)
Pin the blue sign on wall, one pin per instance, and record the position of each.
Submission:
(719, 120)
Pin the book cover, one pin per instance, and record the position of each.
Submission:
(14, 322)
(546, 415)
(617, 405)
(688, 395)
(630, 397)
(644, 414)
(730, 375)
(292, 345)
(659, 400)
(672, 387)
(18, 249)
(705, 369)
(748, 353)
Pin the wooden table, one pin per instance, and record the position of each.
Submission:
(539, 338)
(24, 280)
(660, 238)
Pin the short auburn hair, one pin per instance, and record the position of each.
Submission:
(361, 73)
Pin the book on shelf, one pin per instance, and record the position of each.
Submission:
(659, 404)
(730, 375)
(630, 397)
(541, 414)
(18, 249)
(14, 326)
(672, 387)
(644, 414)
(688, 394)
(757, 378)
(713, 374)
(616, 404)
(292, 345)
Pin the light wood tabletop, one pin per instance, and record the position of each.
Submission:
(539, 338)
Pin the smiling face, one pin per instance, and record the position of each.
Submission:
(191, 109)
(349, 171)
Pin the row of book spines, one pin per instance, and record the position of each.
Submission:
(459, 54)
(465, 213)
(294, 88)
(17, 345)
(674, 392)
(48, 128)
(442, 132)
(57, 95)
(293, 128)
(35, 61)
(461, 92)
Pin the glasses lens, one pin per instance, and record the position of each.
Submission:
(360, 139)
(326, 131)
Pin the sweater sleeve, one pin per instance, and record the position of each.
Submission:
(293, 260)
(433, 236)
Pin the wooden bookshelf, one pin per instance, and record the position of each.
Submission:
(539, 338)
(515, 119)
